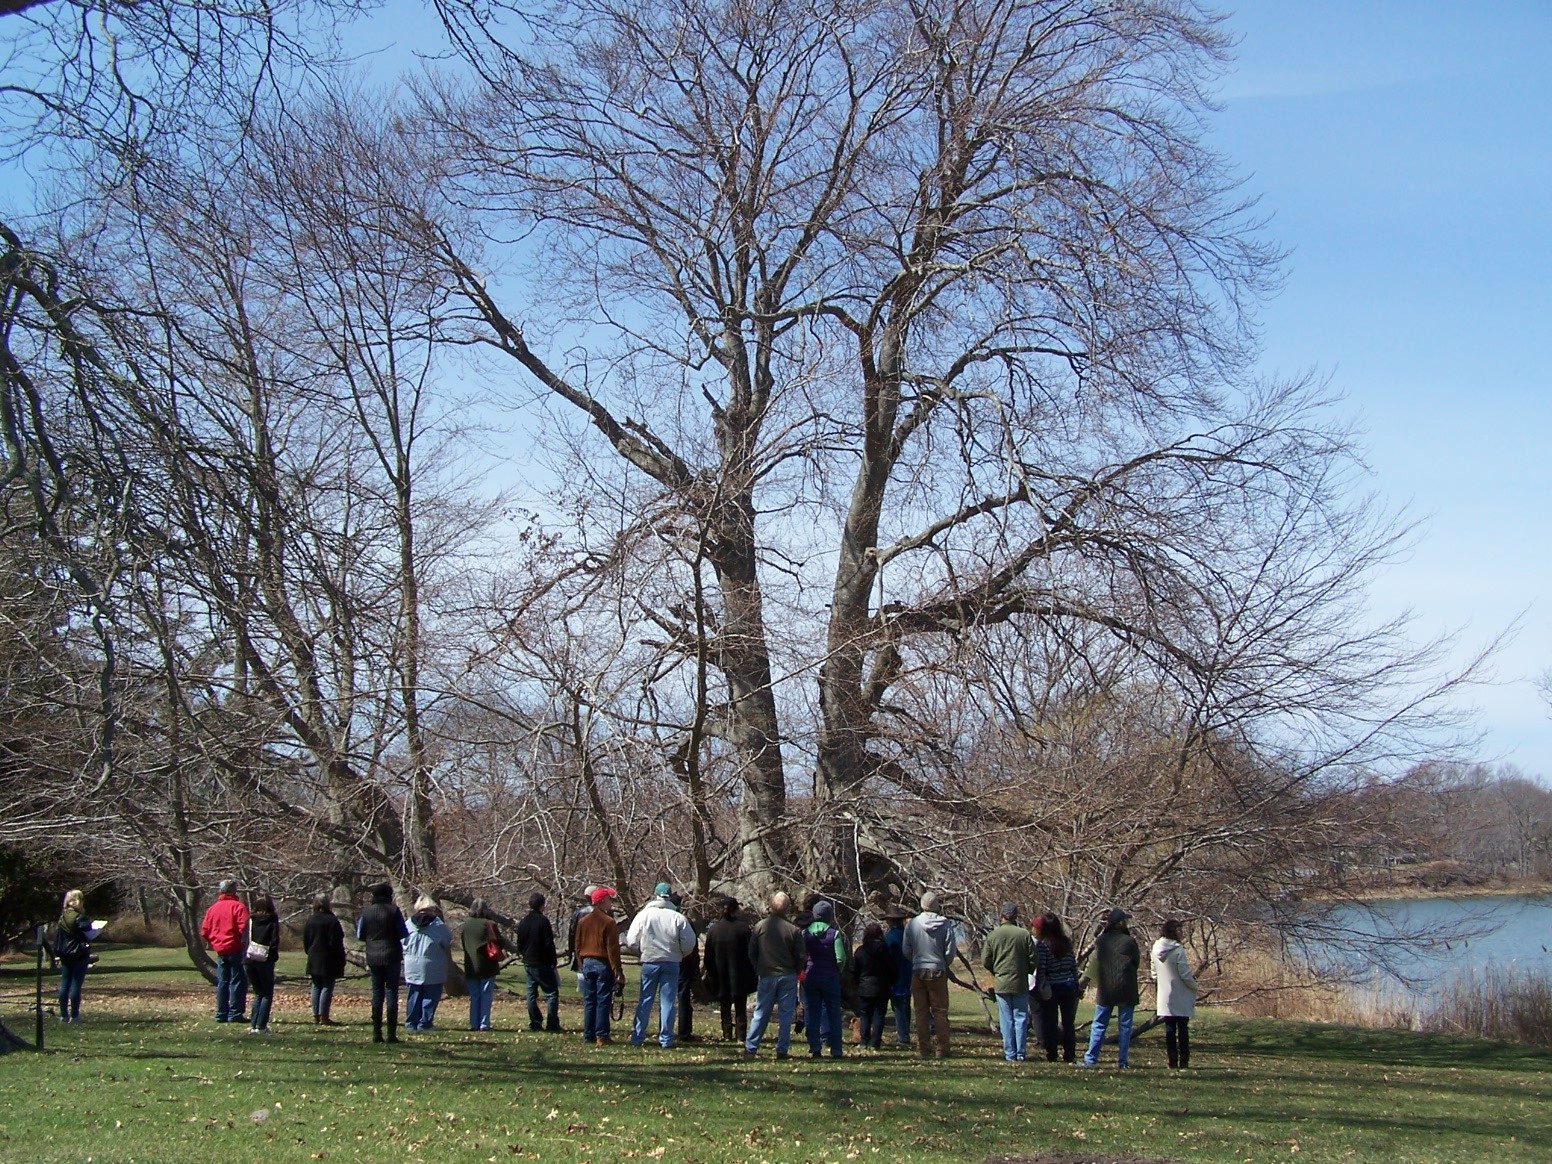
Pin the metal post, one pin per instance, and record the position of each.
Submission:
(38, 996)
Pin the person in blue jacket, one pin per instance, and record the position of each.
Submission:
(900, 991)
(427, 955)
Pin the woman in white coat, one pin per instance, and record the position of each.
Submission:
(1177, 993)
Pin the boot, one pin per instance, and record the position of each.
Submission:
(377, 1029)
(393, 1026)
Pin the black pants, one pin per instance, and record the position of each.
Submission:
(686, 1009)
(1177, 1041)
(385, 990)
(735, 1017)
(1063, 1006)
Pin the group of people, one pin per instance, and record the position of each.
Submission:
(786, 959)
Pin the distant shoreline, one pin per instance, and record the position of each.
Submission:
(1445, 893)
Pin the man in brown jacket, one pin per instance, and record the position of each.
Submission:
(597, 948)
(777, 951)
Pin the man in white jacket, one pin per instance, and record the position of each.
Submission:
(663, 938)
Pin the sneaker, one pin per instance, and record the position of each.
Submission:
(746, 1053)
(783, 1054)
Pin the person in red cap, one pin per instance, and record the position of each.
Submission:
(597, 946)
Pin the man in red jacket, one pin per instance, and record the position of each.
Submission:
(225, 930)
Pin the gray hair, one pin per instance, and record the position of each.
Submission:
(929, 902)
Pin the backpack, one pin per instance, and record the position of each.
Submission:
(67, 941)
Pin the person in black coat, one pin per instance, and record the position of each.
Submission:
(382, 928)
(263, 931)
(535, 939)
(730, 974)
(323, 941)
(874, 967)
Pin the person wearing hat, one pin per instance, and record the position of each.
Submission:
(930, 945)
(900, 990)
(730, 974)
(427, 960)
(225, 930)
(381, 928)
(1112, 967)
(596, 948)
(826, 949)
(663, 938)
(1009, 953)
(535, 939)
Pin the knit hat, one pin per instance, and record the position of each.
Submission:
(600, 895)
(1009, 910)
(824, 911)
(588, 891)
(536, 901)
(663, 889)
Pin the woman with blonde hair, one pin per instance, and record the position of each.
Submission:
(72, 946)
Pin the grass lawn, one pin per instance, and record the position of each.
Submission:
(148, 1076)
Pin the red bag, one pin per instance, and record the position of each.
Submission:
(492, 946)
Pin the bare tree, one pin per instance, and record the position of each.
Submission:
(948, 299)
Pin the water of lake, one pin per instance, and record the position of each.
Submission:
(1463, 933)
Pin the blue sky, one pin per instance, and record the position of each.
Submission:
(1404, 154)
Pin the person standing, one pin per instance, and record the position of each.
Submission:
(689, 981)
(663, 938)
(262, 952)
(595, 947)
(427, 956)
(1113, 969)
(571, 932)
(777, 949)
(536, 947)
(483, 945)
(225, 930)
(323, 941)
(1009, 953)
(1056, 984)
(930, 944)
(825, 958)
(729, 970)
(72, 946)
(874, 971)
(381, 926)
(1171, 970)
(900, 991)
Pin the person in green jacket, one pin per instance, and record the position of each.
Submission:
(1113, 969)
(1009, 953)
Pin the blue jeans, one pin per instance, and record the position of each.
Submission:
(822, 1006)
(323, 996)
(231, 986)
(543, 979)
(659, 983)
(71, 975)
(1097, 1033)
(902, 1007)
(482, 992)
(420, 1005)
(262, 977)
(1013, 1019)
(779, 993)
(597, 998)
